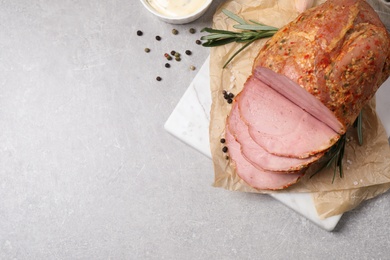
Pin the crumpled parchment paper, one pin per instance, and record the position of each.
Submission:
(366, 168)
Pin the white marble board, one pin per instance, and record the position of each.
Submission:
(190, 119)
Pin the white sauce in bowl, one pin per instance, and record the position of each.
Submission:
(176, 8)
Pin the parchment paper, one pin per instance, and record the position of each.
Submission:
(366, 168)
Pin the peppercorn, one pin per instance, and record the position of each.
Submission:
(158, 38)
(188, 52)
(192, 67)
(147, 50)
(223, 140)
(198, 42)
(230, 100)
(173, 52)
(175, 32)
(192, 30)
(167, 65)
(231, 95)
(177, 58)
(139, 33)
(166, 55)
(177, 54)
(226, 96)
(224, 149)
(158, 78)
(227, 157)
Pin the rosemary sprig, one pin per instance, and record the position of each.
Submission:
(250, 32)
(336, 153)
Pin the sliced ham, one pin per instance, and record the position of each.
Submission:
(280, 126)
(256, 155)
(299, 96)
(254, 177)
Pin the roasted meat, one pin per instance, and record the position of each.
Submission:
(309, 83)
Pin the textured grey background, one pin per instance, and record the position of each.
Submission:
(87, 171)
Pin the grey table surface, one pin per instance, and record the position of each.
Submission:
(87, 170)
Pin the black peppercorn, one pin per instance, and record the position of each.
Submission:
(139, 33)
(230, 100)
(223, 140)
(158, 38)
(167, 65)
(198, 42)
(231, 95)
(173, 52)
(192, 30)
(188, 52)
(224, 149)
(158, 78)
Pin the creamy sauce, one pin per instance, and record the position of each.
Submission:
(176, 8)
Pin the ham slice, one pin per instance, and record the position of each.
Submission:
(256, 155)
(299, 96)
(280, 126)
(254, 177)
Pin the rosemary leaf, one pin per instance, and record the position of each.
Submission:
(216, 36)
(255, 22)
(255, 27)
(218, 43)
(237, 52)
(211, 30)
(359, 128)
(234, 17)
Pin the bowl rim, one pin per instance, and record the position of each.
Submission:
(176, 18)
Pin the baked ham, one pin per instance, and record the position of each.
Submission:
(256, 154)
(309, 83)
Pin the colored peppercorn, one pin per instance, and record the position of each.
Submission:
(147, 50)
(192, 30)
(192, 67)
(175, 32)
(166, 55)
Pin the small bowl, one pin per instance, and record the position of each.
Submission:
(178, 19)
